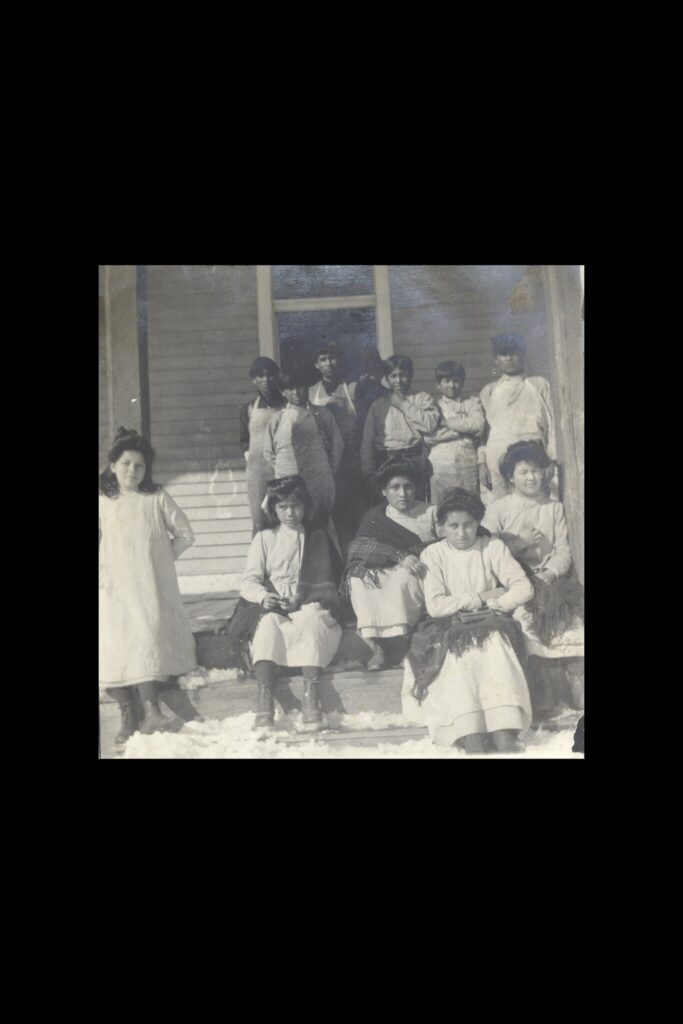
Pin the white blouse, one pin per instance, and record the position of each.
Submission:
(516, 514)
(275, 555)
(456, 578)
(421, 519)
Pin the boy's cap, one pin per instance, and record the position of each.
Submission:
(504, 342)
(261, 364)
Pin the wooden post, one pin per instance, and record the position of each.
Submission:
(143, 353)
(121, 340)
(385, 337)
(563, 296)
(267, 326)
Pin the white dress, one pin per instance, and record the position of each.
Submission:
(144, 631)
(516, 514)
(396, 607)
(310, 636)
(485, 689)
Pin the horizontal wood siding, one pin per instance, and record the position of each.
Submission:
(449, 312)
(202, 338)
(104, 440)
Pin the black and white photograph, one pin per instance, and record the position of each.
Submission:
(341, 512)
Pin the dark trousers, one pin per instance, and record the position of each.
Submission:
(350, 504)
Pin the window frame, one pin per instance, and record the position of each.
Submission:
(268, 309)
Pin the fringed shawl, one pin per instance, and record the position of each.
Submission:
(380, 544)
(318, 581)
(459, 633)
(555, 607)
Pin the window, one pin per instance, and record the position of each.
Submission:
(300, 307)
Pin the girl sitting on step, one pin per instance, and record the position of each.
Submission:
(534, 527)
(383, 576)
(463, 677)
(288, 613)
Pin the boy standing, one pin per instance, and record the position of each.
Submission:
(304, 440)
(453, 445)
(396, 423)
(254, 418)
(518, 408)
(337, 395)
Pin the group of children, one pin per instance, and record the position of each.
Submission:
(337, 433)
(471, 599)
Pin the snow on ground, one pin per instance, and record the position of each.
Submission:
(194, 680)
(204, 676)
(233, 738)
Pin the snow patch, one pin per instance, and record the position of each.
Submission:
(204, 676)
(234, 739)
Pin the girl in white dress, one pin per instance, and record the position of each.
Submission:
(383, 577)
(463, 678)
(288, 612)
(534, 528)
(145, 637)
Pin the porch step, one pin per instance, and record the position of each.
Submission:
(209, 615)
(358, 738)
(347, 693)
(212, 648)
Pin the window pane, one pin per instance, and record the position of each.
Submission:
(302, 333)
(306, 282)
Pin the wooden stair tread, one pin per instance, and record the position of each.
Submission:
(398, 734)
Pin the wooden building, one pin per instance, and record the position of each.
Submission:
(176, 342)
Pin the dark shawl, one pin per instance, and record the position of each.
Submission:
(555, 606)
(379, 544)
(457, 633)
(318, 581)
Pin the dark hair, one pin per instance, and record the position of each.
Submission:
(523, 451)
(287, 487)
(371, 361)
(261, 364)
(397, 467)
(292, 379)
(508, 343)
(128, 441)
(329, 349)
(449, 368)
(398, 363)
(456, 499)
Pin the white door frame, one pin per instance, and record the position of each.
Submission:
(268, 308)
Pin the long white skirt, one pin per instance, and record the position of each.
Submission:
(310, 636)
(393, 609)
(482, 691)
